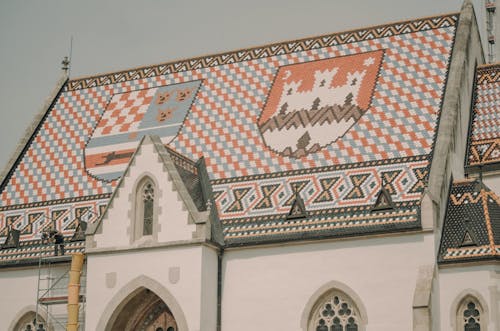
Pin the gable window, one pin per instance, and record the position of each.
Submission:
(145, 222)
(148, 193)
(335, 311)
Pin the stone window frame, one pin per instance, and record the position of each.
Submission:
(327, 292)
(459, 305)
(25, 316)
(138, 209)
(463, 307)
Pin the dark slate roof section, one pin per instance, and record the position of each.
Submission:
(335, 225)
(494, 214)
(484, 136)
(188, 170)
(473, 212)
(29, 253)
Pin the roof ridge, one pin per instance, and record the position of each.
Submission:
(488, 65)
(71, 82)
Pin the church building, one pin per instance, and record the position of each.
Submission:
(343, 182)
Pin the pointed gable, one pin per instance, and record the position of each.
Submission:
(384, 200)
(12, 240)
(298, 209)
(173, 215)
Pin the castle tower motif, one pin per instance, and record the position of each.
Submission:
(305, 113)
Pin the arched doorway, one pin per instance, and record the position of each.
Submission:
(28, 323)
(144, 311)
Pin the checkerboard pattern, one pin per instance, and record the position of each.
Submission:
(484, 141)
(222, 125)
(125, 112)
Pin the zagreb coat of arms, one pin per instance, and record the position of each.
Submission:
(130, 116)
(312, 104)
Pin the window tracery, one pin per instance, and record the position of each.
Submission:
(148, 208)
(336, 312)
(471, 316)
(145, 221)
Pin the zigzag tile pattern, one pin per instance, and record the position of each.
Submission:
(31, 220)
(473, 212)
(326, 190)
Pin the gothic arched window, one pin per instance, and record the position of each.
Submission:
(469, 315)
(148, 194)
(335, 311)
(145, 221)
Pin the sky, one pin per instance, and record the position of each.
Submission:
(115, 35)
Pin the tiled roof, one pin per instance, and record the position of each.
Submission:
(30, 251)
(326, 118)
(484, 138)
(471, 228)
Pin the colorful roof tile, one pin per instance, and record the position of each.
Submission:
(484, 138)
(471, 228)
(326, 118)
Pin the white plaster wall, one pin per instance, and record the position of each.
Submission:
(209, 289)
(268, 288)
(155, 264)
(18, 288)
(454, 282)
(493, 182)
(173, 224)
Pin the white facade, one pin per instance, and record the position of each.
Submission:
(389, 281)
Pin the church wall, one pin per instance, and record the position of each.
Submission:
(493, 181)
(480, 281)
(209, 268)
(276, 283)
(176, 272)
(19, 292)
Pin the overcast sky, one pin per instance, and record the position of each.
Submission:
(114, 35)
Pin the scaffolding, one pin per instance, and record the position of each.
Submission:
(52, 293)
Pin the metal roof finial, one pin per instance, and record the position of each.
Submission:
(65, 64)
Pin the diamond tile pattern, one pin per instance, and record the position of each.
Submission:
(395, 134)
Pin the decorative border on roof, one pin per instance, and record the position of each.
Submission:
(299, 45)
(488, 73)
(33, 250)
(324, 226)
(56, 202)
(344, 212)
(469, 252)
(321, 169)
